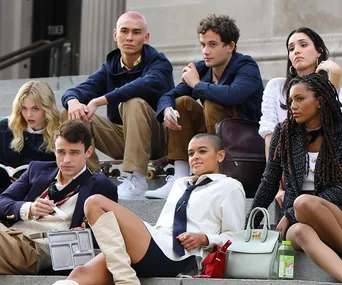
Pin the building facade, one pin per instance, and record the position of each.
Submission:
(264, 26)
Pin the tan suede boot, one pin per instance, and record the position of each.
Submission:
(108, 236)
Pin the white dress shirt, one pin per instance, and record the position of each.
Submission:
(216, 209)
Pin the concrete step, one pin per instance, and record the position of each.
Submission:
(46, 280)
(6, 100)
(306, 272)
(306, 269)
(58, 83)
(55, 83)
(149, 210)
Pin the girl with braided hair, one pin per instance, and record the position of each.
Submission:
(307, 149)
(307, 53)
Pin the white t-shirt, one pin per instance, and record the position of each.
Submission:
(272, 113)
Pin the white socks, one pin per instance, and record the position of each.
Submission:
(182, 169)
(65, 282)
(141, 178)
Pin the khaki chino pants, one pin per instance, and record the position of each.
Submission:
(139, 139)
(195, 119)
(17, 253)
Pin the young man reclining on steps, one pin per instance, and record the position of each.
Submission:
(27, 206)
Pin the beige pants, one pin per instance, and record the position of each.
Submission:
(139, 139)
(17, 253)
(195, 119)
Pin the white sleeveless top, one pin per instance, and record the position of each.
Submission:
(308, 182)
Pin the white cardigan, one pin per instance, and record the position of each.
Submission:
(272, 113)
(216, 209)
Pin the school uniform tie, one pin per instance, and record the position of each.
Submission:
(52, 190)
(180, 218)
(72, 188)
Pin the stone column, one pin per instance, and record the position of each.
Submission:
(15, 33)
(98, 21)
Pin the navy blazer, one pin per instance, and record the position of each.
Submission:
(36, 179)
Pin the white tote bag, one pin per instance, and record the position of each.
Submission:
(253, 252)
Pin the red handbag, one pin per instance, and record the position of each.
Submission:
(214, 264)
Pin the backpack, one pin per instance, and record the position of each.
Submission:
(245, 152)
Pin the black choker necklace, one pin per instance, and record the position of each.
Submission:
(314, 133)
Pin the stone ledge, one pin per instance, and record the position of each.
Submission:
(149, 210)
(46, 280)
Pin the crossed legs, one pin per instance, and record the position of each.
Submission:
(318, 232)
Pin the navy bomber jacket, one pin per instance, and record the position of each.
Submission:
(240, 85)
(149, 80)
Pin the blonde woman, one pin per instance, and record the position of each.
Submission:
(28, 133)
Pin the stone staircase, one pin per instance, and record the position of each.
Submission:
(9, 88)
(306, 272)
(48, 280)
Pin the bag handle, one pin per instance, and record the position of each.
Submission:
(266, 217)
(225, 246)
(266, 227)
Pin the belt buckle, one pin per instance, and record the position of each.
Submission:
(38, 235)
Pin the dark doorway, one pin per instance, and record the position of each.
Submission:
(52, 20)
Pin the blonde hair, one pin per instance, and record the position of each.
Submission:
(42, 94)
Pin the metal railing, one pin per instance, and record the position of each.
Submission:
(34, 49)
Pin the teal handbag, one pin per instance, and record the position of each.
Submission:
(253, 252)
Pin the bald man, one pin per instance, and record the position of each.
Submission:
(130, 82)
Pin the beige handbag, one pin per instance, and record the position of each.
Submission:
(253, 252)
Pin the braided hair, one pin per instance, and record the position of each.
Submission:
(330, 169)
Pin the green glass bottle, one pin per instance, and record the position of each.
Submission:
(286, 258)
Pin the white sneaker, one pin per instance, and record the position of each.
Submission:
(131, 188)
(162, 192)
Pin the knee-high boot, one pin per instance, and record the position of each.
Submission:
(108, 235)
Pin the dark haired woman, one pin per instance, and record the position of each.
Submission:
(307, 53)
(307, 148)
